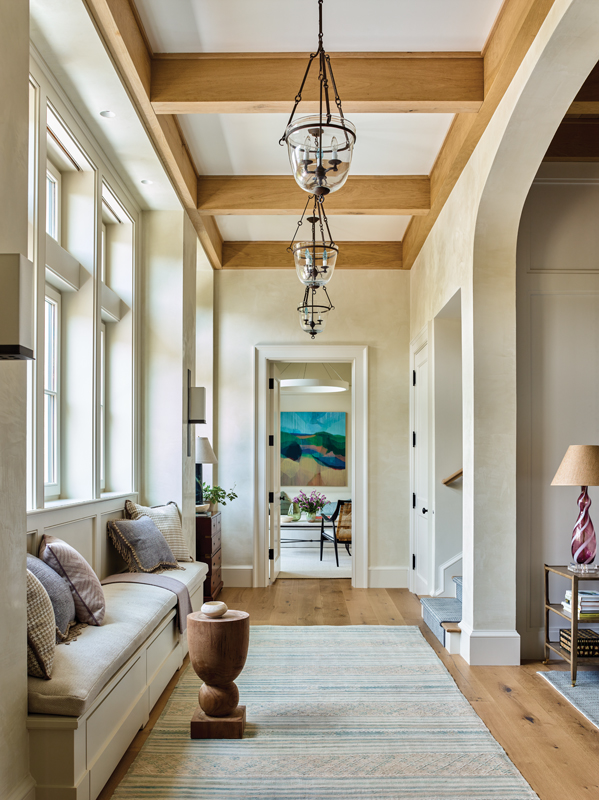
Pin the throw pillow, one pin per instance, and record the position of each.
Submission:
(167, 520)
(41, 630)
(59, 594)
(83, 582)
(142, 545)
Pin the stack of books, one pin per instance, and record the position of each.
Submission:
(587, 643)
(588, 604)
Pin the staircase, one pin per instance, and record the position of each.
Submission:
(442, 615)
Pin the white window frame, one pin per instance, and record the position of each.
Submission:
(104, 247)
(52, 489)
(102, 379)
(54, 175)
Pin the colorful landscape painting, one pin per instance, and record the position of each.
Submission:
(313, 448)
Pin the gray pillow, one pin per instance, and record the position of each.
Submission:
(59, 593)
(142, 545)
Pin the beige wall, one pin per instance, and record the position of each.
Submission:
(14, 69)
(371, 308)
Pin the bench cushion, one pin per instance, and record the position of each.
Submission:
(84, 667)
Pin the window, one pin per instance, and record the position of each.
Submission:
(103, 245)
(51, 394)
(53, 201)
(102, 407)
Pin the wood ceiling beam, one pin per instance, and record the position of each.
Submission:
(279, 194)
(236, 83)
(513, 33)
(124, 39)
(274, 255)
(575, 140)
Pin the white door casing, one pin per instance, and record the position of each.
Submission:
(274, 472)
(422, 512)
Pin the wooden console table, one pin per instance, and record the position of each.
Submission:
(208, 550)
(572, 658)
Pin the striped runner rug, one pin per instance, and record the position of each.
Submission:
(333, 712)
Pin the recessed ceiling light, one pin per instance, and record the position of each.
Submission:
(108, 114)
(147, 183)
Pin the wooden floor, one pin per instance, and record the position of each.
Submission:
(553, 746)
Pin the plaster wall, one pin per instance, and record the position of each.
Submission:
(14, 124)
(371, 308)
(205, 354)
(472, 247)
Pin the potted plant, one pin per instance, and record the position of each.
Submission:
(311, 505)
(216, 494)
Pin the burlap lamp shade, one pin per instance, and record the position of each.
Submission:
(580, 467)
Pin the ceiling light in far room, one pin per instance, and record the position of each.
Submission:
(107, 114)
(313, 315)
(147, 182)
(315, 260)
(312, 379)
(320, 146)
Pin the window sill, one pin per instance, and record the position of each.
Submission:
(70, 503)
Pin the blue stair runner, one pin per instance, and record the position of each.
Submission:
(436, 610)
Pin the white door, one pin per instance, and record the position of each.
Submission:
(420, 509)
(274, 473)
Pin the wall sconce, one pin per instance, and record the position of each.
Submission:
(196, 408)
(16, 317)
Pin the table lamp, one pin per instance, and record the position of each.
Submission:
(204, 455)
(580, 467)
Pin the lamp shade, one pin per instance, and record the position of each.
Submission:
(579, 467)
(204, 452)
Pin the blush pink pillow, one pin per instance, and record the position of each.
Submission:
(83, 582)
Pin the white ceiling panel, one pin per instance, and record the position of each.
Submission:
(345, 228)
(215, 26)
(248, 144)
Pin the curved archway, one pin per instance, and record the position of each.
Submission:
(561, 57)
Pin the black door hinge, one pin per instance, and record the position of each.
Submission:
(413, 560)
(271, 554)
(271, 441)
(413, 438)
(413, 377)
(271, 497)
(271, 383)
(413, 499)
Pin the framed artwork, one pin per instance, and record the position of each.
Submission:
(313, 448)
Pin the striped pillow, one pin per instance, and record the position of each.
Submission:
(167, 520)
(41, 630)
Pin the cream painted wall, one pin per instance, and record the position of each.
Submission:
(472, 247)
(335, 401)
(168, 351)
(205, 352)
(258, 307)
(14, 69)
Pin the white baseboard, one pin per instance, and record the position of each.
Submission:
(238, 577)
(490, 648)
(388, 577)
(24, 791)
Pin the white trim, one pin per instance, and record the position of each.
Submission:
(240, 577)
(24, 791)
(358, 356)
(440, 590)
(489, 648)
(388, 577)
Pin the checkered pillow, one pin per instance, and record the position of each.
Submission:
(41, 630)
(167, 520)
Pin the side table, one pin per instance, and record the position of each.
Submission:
(572, 658)
(208, 550)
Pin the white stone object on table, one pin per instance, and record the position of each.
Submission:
(214, 608)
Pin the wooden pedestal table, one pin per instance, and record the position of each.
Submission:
(218, 648)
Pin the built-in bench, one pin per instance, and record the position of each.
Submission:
(104, 686)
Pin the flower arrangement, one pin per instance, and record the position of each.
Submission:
(216, 494)
(312, 504)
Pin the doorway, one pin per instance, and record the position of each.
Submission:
(314, 455)
(270, 363)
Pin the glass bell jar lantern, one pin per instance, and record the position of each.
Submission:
(315, 259)
(313, 315)
(320, 146)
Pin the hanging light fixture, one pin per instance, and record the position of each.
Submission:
(320, 146)
(314, 311)
(315, 259)
(312, 379)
